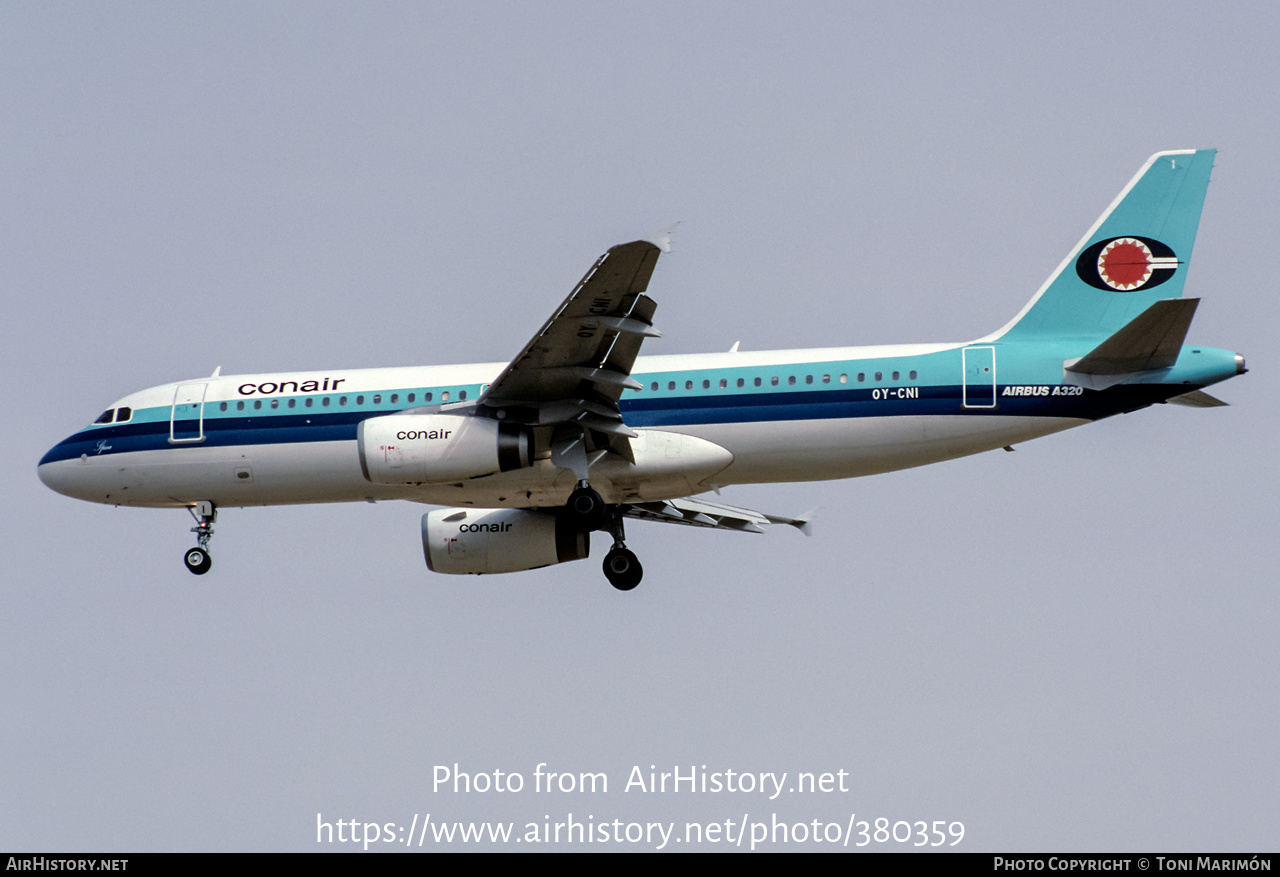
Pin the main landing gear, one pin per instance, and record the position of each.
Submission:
(588, 508)
(622, 568)
(591, 512)
(197, 559)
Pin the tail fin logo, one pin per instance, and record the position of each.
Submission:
(1126, 264)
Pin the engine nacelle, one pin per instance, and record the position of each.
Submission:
(432, 448)
(499, 540)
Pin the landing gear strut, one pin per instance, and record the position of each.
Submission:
(589, 511)
(621, 567)
(197, 559)
(588, 508)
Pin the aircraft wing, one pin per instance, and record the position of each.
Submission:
(699, 512)
(571, 375)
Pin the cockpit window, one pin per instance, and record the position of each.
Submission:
(106, 416)
(123, 414)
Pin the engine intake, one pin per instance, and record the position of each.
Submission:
(428, 448)
(475, 541)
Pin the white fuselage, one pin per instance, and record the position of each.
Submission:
(289, 438)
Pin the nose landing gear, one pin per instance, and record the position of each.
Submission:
(197, 559)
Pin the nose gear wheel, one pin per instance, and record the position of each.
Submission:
(197, 559)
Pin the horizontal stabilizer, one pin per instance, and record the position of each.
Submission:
(1151, 340)
(1198, 399)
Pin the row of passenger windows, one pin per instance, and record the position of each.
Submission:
(327, 401)
(411, 398)
(120, 415)
(791, 380)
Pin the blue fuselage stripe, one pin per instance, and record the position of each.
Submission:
(223, 429)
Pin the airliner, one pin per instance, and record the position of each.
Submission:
(578, 433)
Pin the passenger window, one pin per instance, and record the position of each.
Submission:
(426, 397)
(688, 385)
(359, 400)
(757, 382)
(444, 397)
(912, 375)
(879, 376)
(275, 403)
(862, 376)
(325, 402)
(240, 405)
(671, 385)
(293, 403)
(773, 381)
(106, 416)
(895, 376)
(222, 406)
(377, 399)
(791, 379)
(741, 382)
(462, 395)
(706, 385)
(342, 400)
(724, 383)
(257, 403)
(844, 379)
(411, 396)
(653, 386)
(395, 397)
(826, 379)
(310, 401)
(808, 379)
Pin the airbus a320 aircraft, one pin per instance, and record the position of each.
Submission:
(578, 433)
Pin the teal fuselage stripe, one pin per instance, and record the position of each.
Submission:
(227, 429)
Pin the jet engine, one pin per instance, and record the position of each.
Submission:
(432, 448)
(500, 540)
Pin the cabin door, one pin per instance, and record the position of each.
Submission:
(186, 422)
(979, 377)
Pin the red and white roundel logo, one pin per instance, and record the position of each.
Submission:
(1126, 264)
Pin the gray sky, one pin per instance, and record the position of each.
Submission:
(1068, 647)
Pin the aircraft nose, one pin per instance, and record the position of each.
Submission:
(65, 476)
(54, 475)
(1240, 369)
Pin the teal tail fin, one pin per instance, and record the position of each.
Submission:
(1135, 255)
